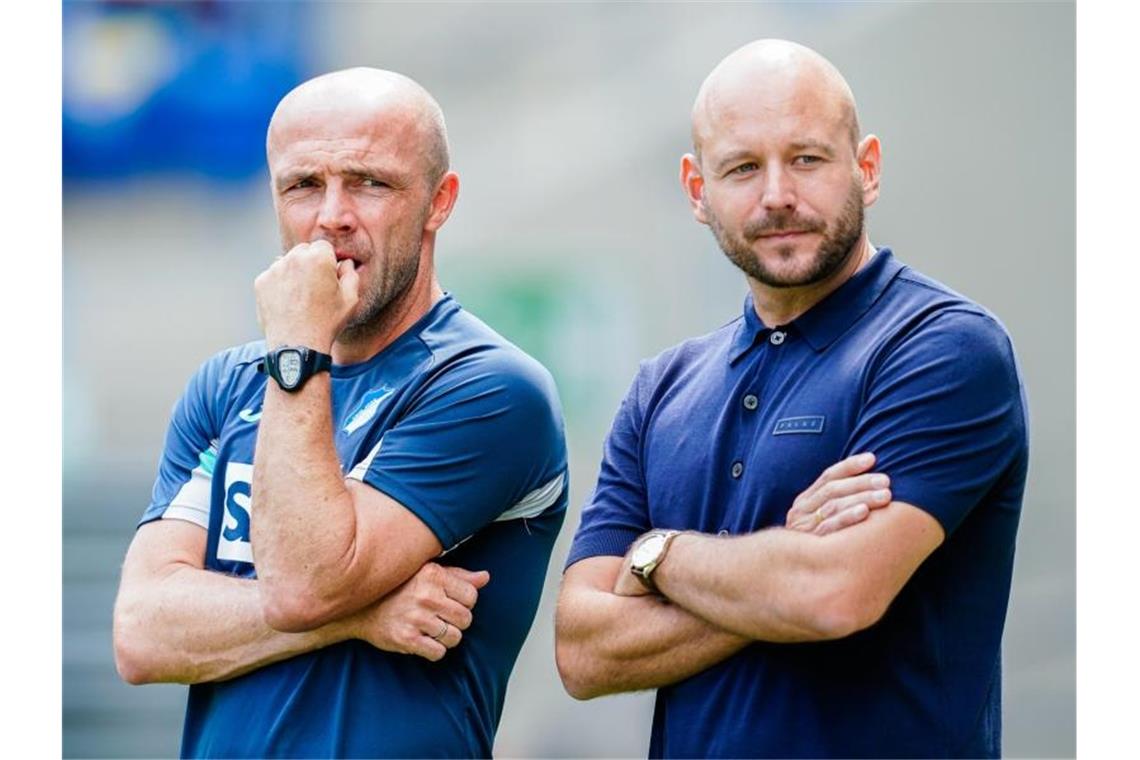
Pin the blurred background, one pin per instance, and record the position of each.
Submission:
(571, 237)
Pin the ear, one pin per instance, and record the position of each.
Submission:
(693, 183)
(870, 159)
(442, 202)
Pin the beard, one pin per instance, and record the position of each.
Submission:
(838, 243)
(389, 280)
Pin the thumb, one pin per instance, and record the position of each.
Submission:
(477, 578)
(348, 280)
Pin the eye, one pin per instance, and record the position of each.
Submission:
(373, 182)
(301, 184)
(807, 160)
(745, 168)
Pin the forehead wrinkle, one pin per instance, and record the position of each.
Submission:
(381, 103)
(773, 72)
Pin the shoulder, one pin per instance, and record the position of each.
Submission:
(225, 367)
(469, 357)
(940, 318)
(686, 359)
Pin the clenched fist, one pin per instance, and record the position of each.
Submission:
(426, 616)
(305, 297)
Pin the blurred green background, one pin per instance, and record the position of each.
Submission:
(571, 237)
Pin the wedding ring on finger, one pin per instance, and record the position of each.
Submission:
(442, 631)
(817, 517)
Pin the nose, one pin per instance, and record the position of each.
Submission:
(336, 214)
(779, 191)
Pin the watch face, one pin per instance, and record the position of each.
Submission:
(647, 551)
(289, 367)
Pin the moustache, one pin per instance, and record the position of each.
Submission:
(775, 224)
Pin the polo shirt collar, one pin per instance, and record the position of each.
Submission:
(827, 320)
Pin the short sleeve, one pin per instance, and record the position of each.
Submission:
(618, 509)
(944, 415)
(182, 488)
(484, 441)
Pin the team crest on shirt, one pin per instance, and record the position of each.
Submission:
(366, 409)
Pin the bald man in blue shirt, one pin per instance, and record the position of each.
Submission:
(352, 519)
(778, 611)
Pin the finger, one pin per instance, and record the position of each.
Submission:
(873, 500)
(348, 280)
(456, 614)
(808, 503)
(323, 247)
(428, 648)
(811, 521)
(452, 638)
(852, 465)
(477, 578)
(843, 519)
(460, 590)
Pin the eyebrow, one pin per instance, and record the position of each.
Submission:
(822, 147)
(798, 145)
(354, 170)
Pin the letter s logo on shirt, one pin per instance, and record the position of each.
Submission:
(233, 541)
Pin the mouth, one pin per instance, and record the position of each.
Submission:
(784, 235)
(346, 256)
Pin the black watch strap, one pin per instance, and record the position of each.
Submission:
(292, 366)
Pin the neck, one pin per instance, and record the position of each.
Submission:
(779, 306)
(403, 312)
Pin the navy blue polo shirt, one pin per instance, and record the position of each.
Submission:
(722, 432)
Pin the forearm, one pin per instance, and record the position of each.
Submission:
(194, 625)
(303, 535)
(770, 585)
(608, 643)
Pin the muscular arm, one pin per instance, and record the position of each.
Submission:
(175, 621)
(783, 585)
(324, 547)
(608, 643)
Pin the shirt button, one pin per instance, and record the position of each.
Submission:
(737, 469)
(751, 402)
(776, 338)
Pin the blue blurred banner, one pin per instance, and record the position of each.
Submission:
(176, 87)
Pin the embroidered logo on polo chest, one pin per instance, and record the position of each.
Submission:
(793, 425)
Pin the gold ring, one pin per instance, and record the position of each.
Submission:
(442, 631)
(817, 516)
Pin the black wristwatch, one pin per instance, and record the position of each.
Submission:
(292, 366)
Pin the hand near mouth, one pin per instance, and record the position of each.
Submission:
(306, 296)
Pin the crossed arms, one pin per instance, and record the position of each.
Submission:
(336, 560)
(807, 581)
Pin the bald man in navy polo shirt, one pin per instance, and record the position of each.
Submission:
(779, 611)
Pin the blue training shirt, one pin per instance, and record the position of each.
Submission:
(463, 429)
(722, 432)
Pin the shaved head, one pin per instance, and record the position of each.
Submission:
(777, 70)
(365, 94)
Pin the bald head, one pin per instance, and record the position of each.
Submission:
(781, 73)
(364, 95)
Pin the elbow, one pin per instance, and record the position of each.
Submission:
(130, 667)
(581, 670)
(843, 609)
(577, 680)
(290, 610)
(135, 661)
